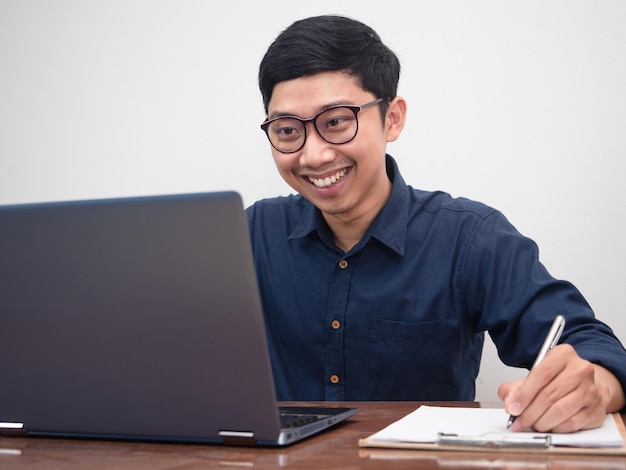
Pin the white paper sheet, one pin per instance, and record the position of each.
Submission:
(423, 425)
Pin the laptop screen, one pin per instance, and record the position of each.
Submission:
(133, 317)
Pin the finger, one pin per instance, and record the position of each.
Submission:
(506, 390)
(586, 418)
(571, 400)
(567, 415)
(536, 393)
(582, 407)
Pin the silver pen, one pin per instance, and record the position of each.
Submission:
(551, 340)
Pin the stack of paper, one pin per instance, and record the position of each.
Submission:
(424, 425)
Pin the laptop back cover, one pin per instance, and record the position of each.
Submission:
(133, 318)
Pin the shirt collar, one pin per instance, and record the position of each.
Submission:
(389, 227)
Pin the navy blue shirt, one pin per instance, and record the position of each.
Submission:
(402, 315)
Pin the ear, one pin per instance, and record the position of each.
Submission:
(396, 117)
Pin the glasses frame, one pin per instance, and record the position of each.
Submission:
(355, 109)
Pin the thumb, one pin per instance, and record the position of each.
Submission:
(507, 392)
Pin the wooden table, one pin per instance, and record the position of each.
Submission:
(335, 449)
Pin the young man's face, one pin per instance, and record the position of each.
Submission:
(345, 180)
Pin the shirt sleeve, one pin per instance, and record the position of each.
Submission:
(510, 294)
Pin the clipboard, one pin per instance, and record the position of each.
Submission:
(495, 440)
(494, 443)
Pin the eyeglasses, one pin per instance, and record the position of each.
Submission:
(336, 125)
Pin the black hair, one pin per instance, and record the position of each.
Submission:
(329, 43)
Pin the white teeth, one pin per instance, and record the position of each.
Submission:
(325, 182)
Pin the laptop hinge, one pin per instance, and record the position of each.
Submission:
(8, 428)
(239, 438)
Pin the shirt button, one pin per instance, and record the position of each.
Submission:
(334, 379)
(343, 264)
(335, 324)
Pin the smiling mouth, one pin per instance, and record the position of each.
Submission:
(329, 180)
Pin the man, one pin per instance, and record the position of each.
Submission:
(373, 290)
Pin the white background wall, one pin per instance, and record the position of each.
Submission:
(519, 104)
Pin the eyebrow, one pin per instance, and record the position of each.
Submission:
(277, 114)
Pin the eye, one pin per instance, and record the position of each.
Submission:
(336, 120)
(286, 129)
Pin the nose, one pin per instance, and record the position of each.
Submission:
(316, 151)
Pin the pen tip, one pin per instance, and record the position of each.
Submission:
(510, 421)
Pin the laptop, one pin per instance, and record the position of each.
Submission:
(138, 319)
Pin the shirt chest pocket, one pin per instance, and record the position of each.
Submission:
(407, 361)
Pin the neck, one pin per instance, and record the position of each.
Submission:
(348, 229)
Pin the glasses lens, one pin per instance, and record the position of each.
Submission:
(337, 125)
(286, 134)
